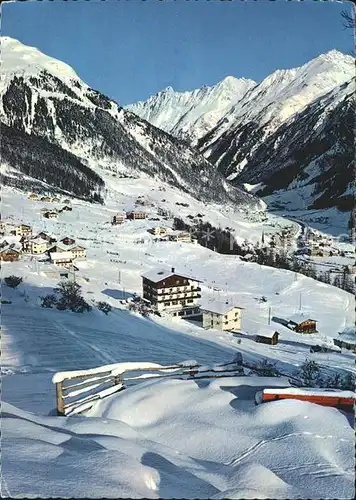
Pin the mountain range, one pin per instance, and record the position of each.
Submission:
(59, 133)
(287, 138)
(293, 130)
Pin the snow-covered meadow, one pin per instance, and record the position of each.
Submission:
(173, 438)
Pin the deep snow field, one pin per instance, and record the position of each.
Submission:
(167, 439)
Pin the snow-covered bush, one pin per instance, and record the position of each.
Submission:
(70, 297)
(104, 307)
(266, 369)
(309, 374)
(49, 300)
(13, 281)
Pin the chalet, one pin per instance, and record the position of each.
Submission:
(9, 255)
(118, 219)
(158, 231)
(172, 292)
(347, 338)
(32, 196)
(55, 200)
(46, 199)
(77, 251)
(267, 335)
(51, 215)
(2, 227)
(55, 248)
(23, 230)
(66, 201)
(222, 316)
(62, 259)
(181, 236)
(302, 324)
(67, 241)
(37, 245)
(44, 210)
(4, 244)
(66, 208)
(46, 237)
(136, 215)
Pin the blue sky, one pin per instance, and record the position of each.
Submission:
(130, 49)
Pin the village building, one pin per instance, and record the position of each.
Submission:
(182, 237)
(300, 323)
(172, 292)
(66, 208)
(61, 259)
(222, 316)
(23, 230)
(267, 335)
(51, 215)
(4, 244)
(32, 196)
(67, 241)
(158, 231)
(46, 237)
(55, 249)
(2, 227)
(44, 210)
(9, 254)
(36, 245)
(78, 252)
(136, 215)
(118, 219)
(46, 199)
(55, 200)
(347, 338)
(66, 201)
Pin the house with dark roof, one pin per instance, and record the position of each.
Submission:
(176, 293)
(302, 323)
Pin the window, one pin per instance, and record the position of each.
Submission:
(177, 282)
(168, 303)
(174, 302)
(190, 301)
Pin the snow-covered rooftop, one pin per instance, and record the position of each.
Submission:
(312, 392)
(220, 307)
(299, 318)
(61, 255)
(266, 331)
(156, 275)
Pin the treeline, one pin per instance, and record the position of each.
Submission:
(39, 159)
(223, 241)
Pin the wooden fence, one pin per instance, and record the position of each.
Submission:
(77, 391)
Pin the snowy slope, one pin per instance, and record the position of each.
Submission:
(172, 438)
(177, 439)
(59, 131)
(191, 114)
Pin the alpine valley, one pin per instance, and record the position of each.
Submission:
(288, 138)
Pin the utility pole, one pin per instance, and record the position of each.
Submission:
(300, 302)
(269, 315)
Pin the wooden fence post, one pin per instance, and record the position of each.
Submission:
(119, 379)
(60, 400)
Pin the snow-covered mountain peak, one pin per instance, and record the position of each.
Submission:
(191, 114)
(17, 58)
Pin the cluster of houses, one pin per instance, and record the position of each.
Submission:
(52, 213)
(61, 253)
(316, 244)
(165, 234)
(47, 199)
(179, 294)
